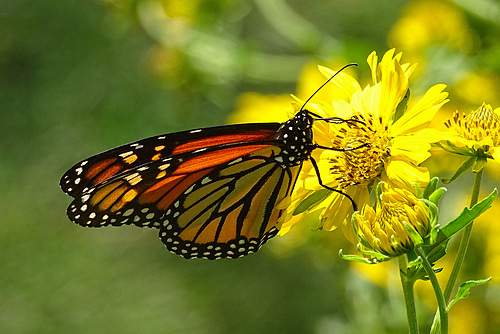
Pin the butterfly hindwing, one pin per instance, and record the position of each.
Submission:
(232, 210)
(204, 207)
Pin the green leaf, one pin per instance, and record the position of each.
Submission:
(431, 187)
(312, 200)
(450, 147)
(466, 165)
(435, 246)
(401, 108)
(479, 164)
(416, 238)
(436, 195)
(464, 290)
(356, 258)
(378, 192)
(435, 252)
(467, 216)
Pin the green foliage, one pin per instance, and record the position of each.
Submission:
(464, 290)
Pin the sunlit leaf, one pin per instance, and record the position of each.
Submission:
(312, 200)
(464, 290)
(468, 215)
(465, 166)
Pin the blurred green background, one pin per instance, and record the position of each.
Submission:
(79, 77)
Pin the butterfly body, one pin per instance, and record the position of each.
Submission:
(212, 193)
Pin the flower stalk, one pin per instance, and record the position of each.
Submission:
(408, 294)
(464, 242)
(443, 314)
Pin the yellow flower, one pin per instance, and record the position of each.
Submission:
(250, 106)
(475, 134)
(431, 22)
(387, 230)
(394, 145)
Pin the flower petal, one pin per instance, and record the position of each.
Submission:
(403, 174)
(421, 114)
(414, 148)
(342, 85)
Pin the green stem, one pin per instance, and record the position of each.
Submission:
(464, 242)
(443, 315)
(407, 285)
(462, 249)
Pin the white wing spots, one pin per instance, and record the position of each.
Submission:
(92, 215)
(83, 208)
(128, 212)
(195, 131)
(235, 161)
(126, 154)
(136, 146)
(161, 138)
(144, 210)
(234, 249)
(84, 163)
(200, 150)
(133, 179)
(79, 170)
(150, 216)
(85, 198)
(278, 159)
(77, 180)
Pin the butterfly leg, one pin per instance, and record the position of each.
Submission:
(316, 169)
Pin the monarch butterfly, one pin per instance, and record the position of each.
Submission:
(212, 192)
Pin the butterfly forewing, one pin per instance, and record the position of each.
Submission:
(103, 166)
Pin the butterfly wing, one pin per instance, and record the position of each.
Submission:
(209, 199)
(103, 166)
(232, 210)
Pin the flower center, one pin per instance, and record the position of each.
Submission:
(477, 126)
(367, 149)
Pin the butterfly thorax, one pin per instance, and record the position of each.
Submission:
(297, 139)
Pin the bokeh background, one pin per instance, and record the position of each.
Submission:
(78, 77)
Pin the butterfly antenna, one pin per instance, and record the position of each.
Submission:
(323, 85)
